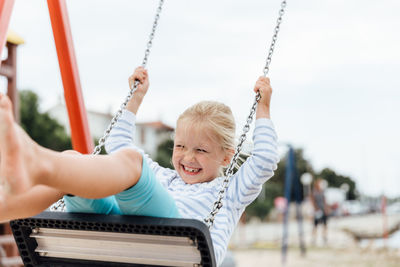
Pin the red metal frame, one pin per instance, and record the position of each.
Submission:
(6, 7)
(80, 134)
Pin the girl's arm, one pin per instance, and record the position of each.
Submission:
(28, 204)
(122, 135)
(263, 86)
(142, 77)
(247, 183)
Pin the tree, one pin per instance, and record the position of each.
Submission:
(335, 180)
(164, 153)
(275, 186)
(41, 127)
(265, 202)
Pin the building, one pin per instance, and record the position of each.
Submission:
(148, 136)
(151, 134)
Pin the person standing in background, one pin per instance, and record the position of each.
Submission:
(321, 210)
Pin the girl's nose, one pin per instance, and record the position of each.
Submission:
(189, 155)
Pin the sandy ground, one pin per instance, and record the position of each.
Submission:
(258, 244)
(317, 257)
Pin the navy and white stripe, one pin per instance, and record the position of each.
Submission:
(195, 201)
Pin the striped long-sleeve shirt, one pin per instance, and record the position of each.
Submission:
(195, 201)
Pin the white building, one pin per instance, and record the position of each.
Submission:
(148, 136)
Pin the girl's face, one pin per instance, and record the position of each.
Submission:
(197, 157)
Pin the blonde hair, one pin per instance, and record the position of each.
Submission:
(216, 117)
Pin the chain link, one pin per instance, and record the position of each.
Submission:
(274, 38)
(209, 220)
(60, 205)
(114, 120)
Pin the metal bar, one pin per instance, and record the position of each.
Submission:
(107, 258)
(80, 134)
(116, 247)
(6, 7)
(12, 91)
(289, 172)
(95, 235)
(6, 70)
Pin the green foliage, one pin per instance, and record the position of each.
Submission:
(265, 202)
(335, 180)
(259, 209)
(41, 127)
(164, 153)
(275, 186)
(302, 166)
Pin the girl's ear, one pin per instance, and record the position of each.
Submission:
(228, 157)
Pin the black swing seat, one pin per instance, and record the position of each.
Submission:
(55, 239)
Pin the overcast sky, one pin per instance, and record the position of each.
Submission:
(335, 70)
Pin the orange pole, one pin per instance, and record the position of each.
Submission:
(80, 134)
(6, 7)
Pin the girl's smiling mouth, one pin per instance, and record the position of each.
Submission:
(189, 170)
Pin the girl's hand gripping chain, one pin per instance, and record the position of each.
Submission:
(264, 87)
(142, 76)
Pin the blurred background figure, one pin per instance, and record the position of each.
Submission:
(321, 210)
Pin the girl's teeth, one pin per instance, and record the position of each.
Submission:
(190, 170)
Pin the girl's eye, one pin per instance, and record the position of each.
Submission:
(201, 150)
(179, 146)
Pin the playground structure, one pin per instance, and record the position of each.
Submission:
(8, 69)
(82, 141)
(32, 255)
(157, 238)
(80, 134)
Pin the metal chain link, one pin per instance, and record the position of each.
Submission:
(60, 205)
(114, 120)
(209, 220)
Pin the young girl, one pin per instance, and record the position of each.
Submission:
(128, 182)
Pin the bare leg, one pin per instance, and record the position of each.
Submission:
(25, 164)
(314, 236)
(12, 163)
(325, 234)
(28, 204)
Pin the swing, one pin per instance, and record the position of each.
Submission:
(77, 239)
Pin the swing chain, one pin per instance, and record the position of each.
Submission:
(60, 204)
(153, 31)
(274, 38)
(114, 120)
(209, 220)
(229, 171)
